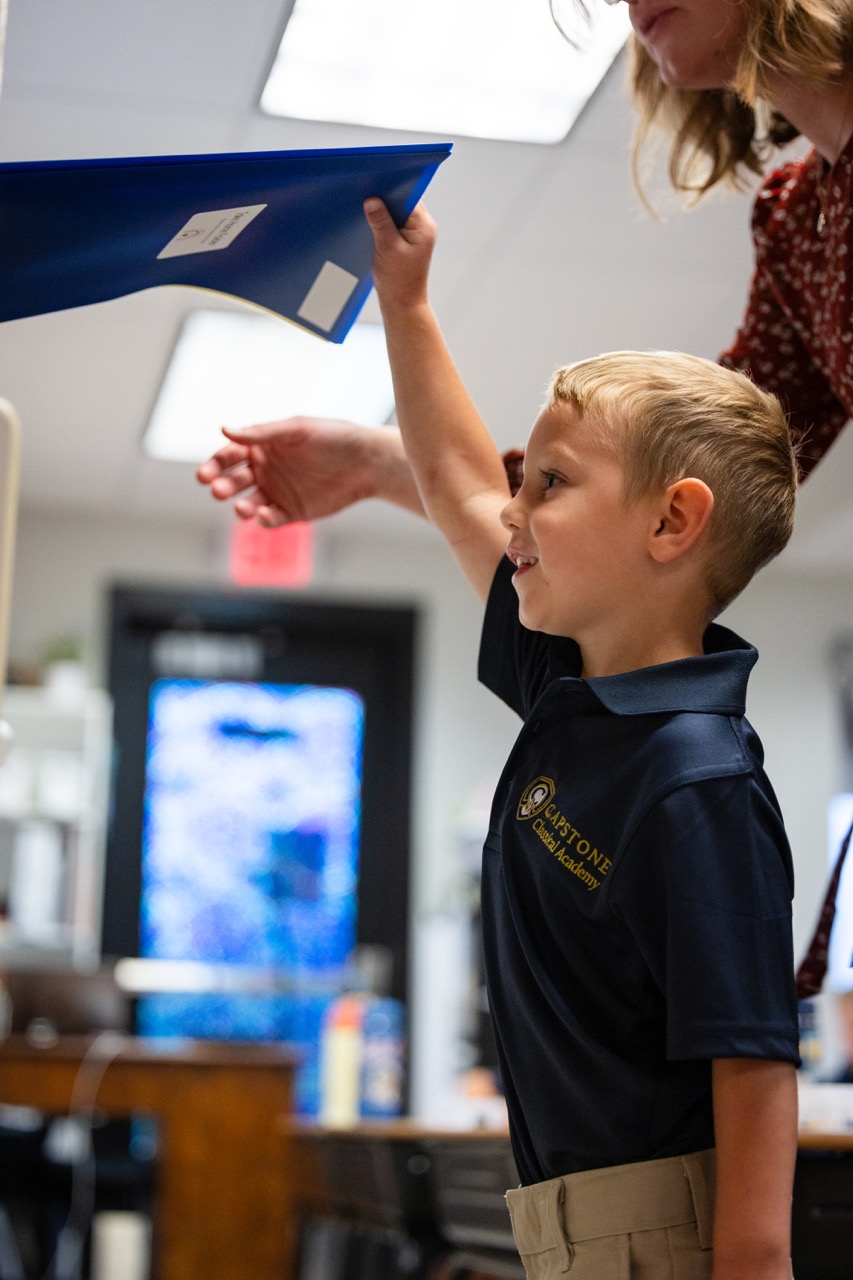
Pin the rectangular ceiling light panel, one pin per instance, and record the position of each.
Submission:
(233, 369)
(478, 68)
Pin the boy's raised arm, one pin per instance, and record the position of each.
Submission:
(457, 467)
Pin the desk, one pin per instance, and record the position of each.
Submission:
(224, 1180)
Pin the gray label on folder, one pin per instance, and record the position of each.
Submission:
(328, 296)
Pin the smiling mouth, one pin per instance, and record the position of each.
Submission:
(522, 562)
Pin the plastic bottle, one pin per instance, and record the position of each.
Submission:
(382, 1059)
(340, 1061)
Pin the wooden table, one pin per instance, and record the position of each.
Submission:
(813, 1141)
(224, 1179)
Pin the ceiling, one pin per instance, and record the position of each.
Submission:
(545, 253)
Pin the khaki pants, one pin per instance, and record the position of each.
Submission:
(648, 1221)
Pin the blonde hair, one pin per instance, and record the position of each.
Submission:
(725, 134)
(667, 416)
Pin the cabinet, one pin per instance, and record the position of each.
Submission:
(54, 798)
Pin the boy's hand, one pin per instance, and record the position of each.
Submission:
(402, 257)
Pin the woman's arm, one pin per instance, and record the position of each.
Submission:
(309, 468)
(755, 1121)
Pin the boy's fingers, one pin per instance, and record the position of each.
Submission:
(419, 219)
(380, 222)
(389, 240)
(376, 212)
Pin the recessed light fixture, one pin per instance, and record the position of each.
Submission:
(480, 68)
(233, 369)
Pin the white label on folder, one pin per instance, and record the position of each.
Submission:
(328, 296)
(214, 230)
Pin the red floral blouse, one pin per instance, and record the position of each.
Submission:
(796, 338)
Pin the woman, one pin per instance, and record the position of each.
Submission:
(730, 80)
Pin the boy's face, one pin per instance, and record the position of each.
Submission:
(579, 548)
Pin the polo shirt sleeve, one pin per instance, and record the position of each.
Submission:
(513, 661)
(705, 887)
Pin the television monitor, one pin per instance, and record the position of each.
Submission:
(261, 803)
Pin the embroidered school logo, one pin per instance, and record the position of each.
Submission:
(560, 836)
(539, 793)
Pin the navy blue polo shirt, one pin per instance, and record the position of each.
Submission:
(637, 886)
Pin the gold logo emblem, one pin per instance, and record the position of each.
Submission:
(539, 793)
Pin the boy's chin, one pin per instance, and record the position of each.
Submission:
(530, 621)
(533, 619)
(548, 626)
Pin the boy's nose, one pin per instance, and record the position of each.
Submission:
(511, 514)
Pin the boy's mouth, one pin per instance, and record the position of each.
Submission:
(520, 561)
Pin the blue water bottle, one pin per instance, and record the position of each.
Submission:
(383, 1055)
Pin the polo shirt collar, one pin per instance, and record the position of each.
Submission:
(714, 683)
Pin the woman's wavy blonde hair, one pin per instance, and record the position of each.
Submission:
(726, 134)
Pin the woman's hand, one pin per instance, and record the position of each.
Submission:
(308, 468)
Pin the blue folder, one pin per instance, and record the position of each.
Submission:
(282, 229)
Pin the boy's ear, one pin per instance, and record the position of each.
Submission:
(682, 514)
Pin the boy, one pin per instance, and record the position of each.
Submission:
(637, 881)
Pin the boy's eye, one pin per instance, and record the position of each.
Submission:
(549, 479)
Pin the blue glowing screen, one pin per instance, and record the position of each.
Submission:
(250, 852)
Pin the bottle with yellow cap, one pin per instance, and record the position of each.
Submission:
(341, 1055)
